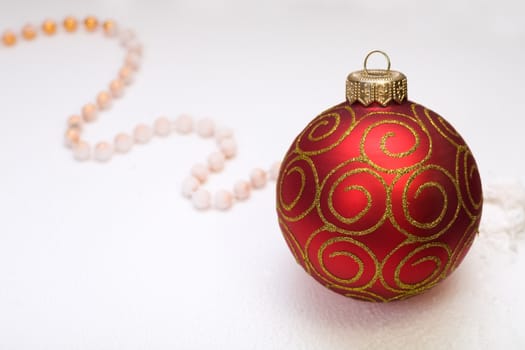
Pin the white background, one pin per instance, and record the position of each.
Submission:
(112, 257)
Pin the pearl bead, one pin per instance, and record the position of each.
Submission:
(9, 38)
(142, 133)
(241, 190)
(110, 28)
(183, 124)
(205, 128)
(89, 112)
(123, 143)
(223, 200)
(129, 41)
(201, 199)
(190, 185)
(162, 126)
(228, 147)
(136, 48)
(29, 32)
(223, 133)
(133, 61)
(91, 23)
(274, 171)
(216, 161)
(103, 152)
(103, 100)
(81, 151)
(201, 172)
(72, 136)
(116, 87)
(75, 121)
(70, 24)
(126, 36)
(126, 75)
(258, 178)
(49, 27)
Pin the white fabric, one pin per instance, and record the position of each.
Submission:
(503, 221)
(110, 257)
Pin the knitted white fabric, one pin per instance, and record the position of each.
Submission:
(503, 218)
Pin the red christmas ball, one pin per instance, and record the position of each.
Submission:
(379, 203)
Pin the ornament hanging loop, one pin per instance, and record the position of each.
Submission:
(365, 63)
(382, 86)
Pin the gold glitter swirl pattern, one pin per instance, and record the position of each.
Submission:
(293, 244)
(326, 131)
(325, 252)
(364, 297)
(293, 203)
(464, 244)
(468, 177)
(411, 138)
(297, 188)
(444, 128)
(426, 265)
(411, 213)
(357, 199)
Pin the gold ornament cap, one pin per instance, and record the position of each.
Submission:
(383, 86)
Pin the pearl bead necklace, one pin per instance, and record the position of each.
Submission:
(192, 186)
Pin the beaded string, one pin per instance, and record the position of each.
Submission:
(192, 186)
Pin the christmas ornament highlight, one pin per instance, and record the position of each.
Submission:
(379, 198)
